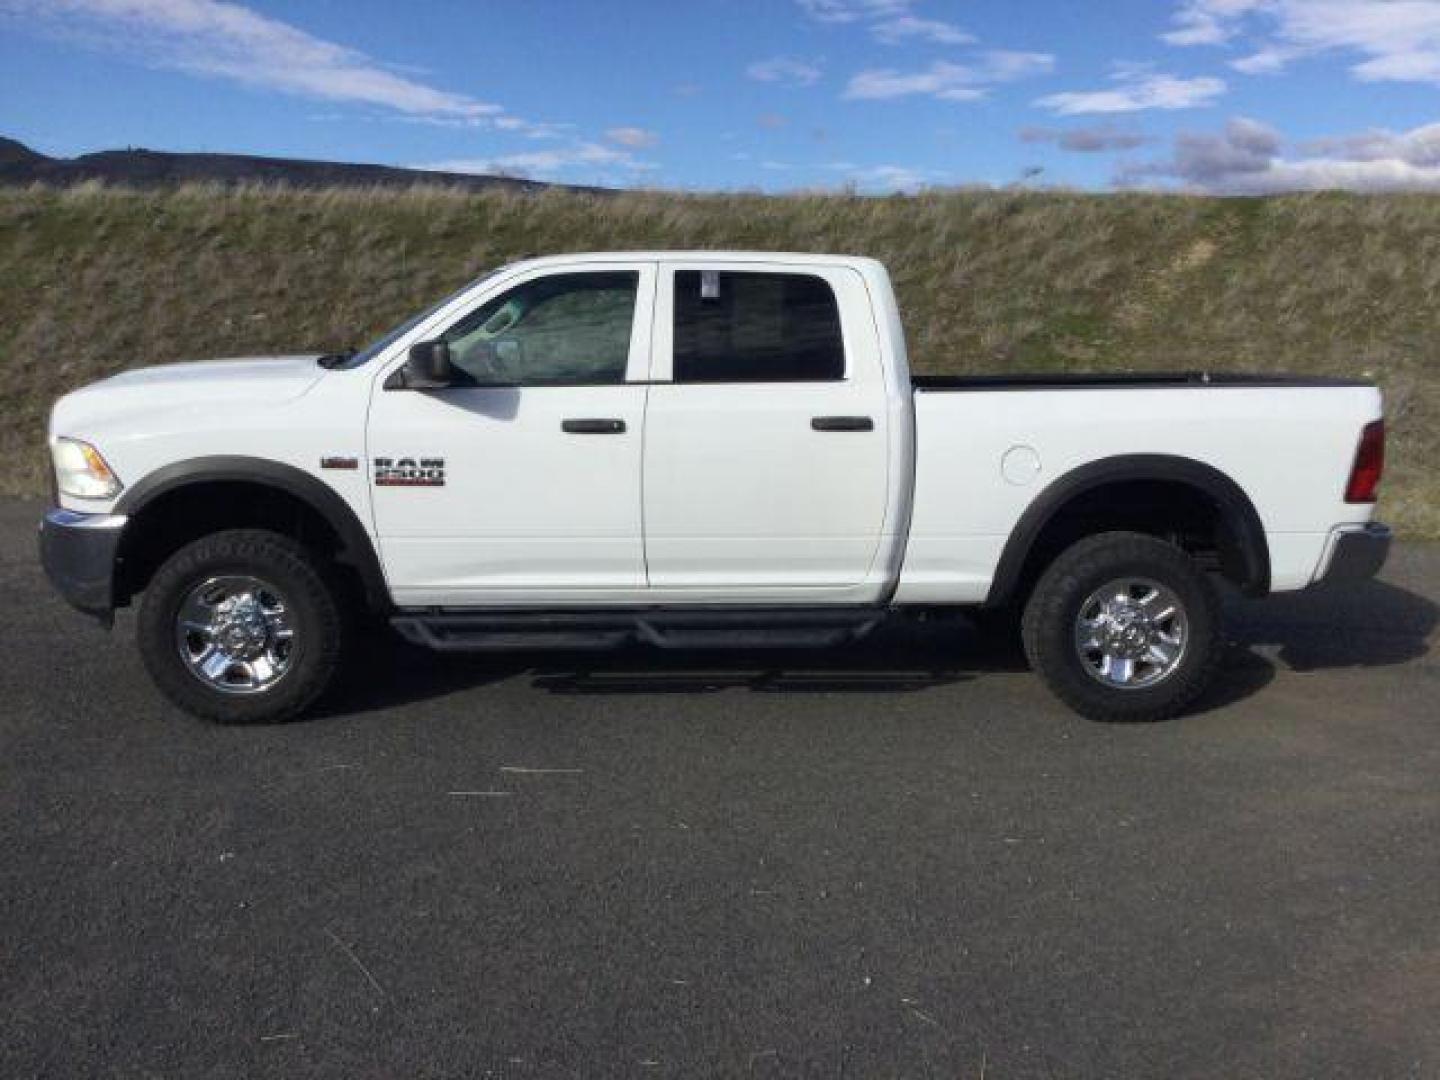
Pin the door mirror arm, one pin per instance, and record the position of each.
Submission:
(428, 366)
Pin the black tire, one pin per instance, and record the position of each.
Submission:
(315, 611)
(1054, 609)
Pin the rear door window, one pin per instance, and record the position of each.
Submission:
(737, 326)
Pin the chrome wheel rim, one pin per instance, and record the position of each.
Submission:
(1131, 633)
(234, 634)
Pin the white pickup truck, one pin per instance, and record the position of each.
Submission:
(691, 449)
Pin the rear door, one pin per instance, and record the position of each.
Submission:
(765, 459)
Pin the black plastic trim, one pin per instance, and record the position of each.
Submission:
(842, 423)
(593, 426)
(396, 381)
(1142, 380)
(1238, 511)
(1359, 554)
(494, 630)
(359, 549)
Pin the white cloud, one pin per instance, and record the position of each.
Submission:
(1318, 174)
(844, 11)
(229, 41)
(1249, 158)
(946, 81)
(1390, 40)
(530, 129)
(895, 22)
(905, 27)
(847, 175)
(889, 21)
(786, 70)
(1419, 146)
(1136, 90)
(1207, 22)
(636, 138)
(891, 178)
(1007, 65)
(586, 157)
(880, 179)
(1265, 62)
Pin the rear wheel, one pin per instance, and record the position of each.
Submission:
(242, 626)
(1123, 626)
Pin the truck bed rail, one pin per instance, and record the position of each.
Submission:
(1141, 380)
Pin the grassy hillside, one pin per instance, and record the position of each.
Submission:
(97, 280)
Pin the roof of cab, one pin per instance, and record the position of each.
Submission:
(791, 257)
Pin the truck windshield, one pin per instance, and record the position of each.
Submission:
(380, 344)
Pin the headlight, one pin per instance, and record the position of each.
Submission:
(81, 472)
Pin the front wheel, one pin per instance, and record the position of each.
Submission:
(1123, 626)
(242, 626)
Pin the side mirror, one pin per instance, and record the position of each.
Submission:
(428, 366)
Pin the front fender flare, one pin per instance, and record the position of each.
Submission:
(358, 547)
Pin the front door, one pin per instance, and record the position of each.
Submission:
(521, 483)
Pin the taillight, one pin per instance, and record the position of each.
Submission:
(1369, 464)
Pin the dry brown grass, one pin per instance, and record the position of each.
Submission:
(97, 280)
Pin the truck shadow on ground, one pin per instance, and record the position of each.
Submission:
(1372, 624)
(1369, 625)
(904, 658)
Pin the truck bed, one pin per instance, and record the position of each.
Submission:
(1287, 443)
(1149, 380)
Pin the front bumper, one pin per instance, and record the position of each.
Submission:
(78, 553)
(1356, 554)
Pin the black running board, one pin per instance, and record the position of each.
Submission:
(668, 628)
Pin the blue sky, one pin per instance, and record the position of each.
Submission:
(881, 95)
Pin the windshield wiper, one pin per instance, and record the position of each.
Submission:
(335, 359)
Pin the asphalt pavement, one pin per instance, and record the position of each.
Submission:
(901, 859)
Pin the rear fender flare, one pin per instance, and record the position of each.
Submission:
(1235, 507)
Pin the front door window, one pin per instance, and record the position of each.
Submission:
(560, 330)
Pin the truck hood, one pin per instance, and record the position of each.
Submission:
(209, 384)
(271, 377)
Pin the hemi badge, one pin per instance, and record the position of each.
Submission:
(339, 463)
